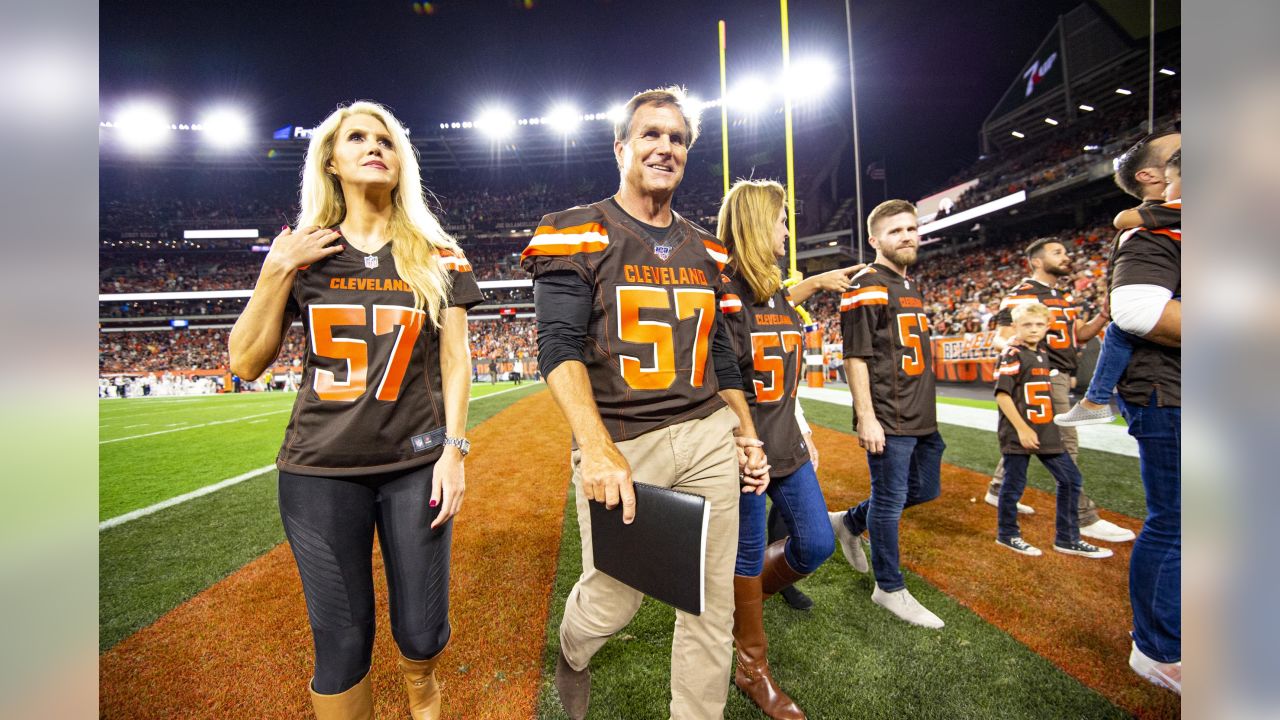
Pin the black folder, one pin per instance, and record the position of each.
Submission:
(662, 552)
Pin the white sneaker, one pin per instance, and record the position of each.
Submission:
(1083, 549)
(901, 603)
(1166, 675)
(850, 544)
(994, 501)
(1080, 415)
(1107, 532)
(1019, 545)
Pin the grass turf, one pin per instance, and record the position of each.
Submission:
(1113, 481)
(150, 565)
(847, 658)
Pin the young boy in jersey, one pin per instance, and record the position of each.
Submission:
(1026, 428)
(1117, 345)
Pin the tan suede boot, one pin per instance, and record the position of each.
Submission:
(778, 573)
(355, 703)
(424, 690)
(752, 675)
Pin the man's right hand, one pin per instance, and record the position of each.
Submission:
(606, 478)
(871, 435)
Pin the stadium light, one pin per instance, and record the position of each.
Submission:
(1051, 121)
(750, 95)
(809, 78)
(563, 118)
(1167, 71)
(226, 128)
(1086, 108)
(1017, 134)
(143, 126)
(1122, 91)
(616, 112)
(497, 124)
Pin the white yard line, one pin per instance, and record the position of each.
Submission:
(193, 427)
(122, 519)
(1107, 438)
(135, 514)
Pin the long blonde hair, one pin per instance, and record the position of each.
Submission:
(745, 227)
(417, 236)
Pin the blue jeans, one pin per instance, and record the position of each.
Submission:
(1155, 568)
(1069, 480)
(1117, 348)
(908, 472)
(799, 498)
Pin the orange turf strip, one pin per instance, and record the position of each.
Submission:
(242, 649)
(1073, 611)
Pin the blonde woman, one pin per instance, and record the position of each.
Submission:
(768, 337)
(376, 440)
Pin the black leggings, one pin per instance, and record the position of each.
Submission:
(330, 524)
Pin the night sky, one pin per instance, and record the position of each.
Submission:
(929, 72)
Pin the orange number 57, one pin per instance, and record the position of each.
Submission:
(322, 321)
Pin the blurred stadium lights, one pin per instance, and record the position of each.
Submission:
(809, 78)
(226, 128)
(143, 126)
(563, 118)
(616, 112)
(1167, 71)
(1051, 121)
(1017, 134)
(1122, 91)
(750, 95)
(1086, 108)
(497, 124)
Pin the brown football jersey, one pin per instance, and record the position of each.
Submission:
(1064, 355)
(883, 321)
(768, 339)
(653, 315)
(1023, 375)
(1152, 256)
(371, 397)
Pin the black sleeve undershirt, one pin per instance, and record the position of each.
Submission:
(562, 303)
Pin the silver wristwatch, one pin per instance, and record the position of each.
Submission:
(463, 445)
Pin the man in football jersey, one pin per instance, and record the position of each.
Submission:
(1050, 263)
(629, 340)
(888, 357)
(1146, 277)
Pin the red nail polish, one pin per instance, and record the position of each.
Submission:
(435, 503)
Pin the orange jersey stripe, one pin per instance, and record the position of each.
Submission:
(1168, 232)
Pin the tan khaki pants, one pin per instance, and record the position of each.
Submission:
(696, 456)
(1060, 393)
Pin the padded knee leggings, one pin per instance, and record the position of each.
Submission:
(330, 524)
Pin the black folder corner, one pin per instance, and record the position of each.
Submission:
(662, 553)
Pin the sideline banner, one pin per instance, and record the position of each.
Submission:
(968, 358)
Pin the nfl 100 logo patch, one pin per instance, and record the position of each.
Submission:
(662, 251)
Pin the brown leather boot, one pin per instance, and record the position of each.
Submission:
(355, 703)
(420, 682)
(778, 573)
(752, 675)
